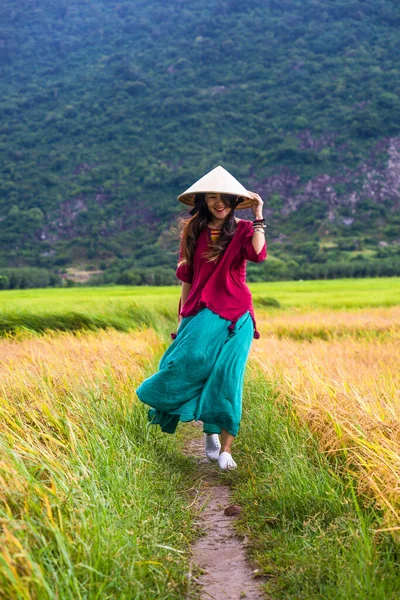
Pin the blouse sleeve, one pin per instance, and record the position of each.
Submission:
(184, 272)
(248, 250)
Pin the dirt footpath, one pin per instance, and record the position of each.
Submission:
(220, 554)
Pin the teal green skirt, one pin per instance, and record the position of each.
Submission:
(201, 375)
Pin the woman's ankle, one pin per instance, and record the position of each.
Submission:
(227, 440)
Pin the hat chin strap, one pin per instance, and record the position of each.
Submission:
(239, 201)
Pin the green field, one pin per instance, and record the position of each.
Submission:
(125, 308)
(338, 293)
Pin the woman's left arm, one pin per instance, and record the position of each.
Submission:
(258, 239)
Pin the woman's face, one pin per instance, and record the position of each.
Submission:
(217, 206)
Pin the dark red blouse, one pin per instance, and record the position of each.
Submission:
(221, 285)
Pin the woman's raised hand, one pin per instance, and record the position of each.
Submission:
(257, 205)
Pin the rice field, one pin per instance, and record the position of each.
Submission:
(341, 370)
(93, 502)
(90, 503)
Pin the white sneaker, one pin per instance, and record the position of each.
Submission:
(226, 462)
(212, 446)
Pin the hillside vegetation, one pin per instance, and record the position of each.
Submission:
(110, 108)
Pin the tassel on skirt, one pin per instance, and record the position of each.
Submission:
(201, 374)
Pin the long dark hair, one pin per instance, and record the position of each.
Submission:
(191, 229)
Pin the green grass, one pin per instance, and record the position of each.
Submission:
(338, 293)
(309, 534)
(114, 525)
(131, 307)
(129, 317)
(120, 527)
(88, 299)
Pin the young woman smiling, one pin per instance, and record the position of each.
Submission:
(201, 374)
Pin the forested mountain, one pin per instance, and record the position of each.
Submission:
(109, 109)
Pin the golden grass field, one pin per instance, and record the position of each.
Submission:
(342, 370)
(340, 367)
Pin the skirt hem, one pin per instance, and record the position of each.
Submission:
(168, 423)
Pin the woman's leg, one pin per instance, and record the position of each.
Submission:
(225, 460)
(221, 398)
(222, 393)
(226, 441)
(174, 391)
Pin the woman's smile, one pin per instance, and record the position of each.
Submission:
(217, 206)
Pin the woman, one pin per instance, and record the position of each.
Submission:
(201, 373)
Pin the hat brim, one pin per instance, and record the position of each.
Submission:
(188, 199)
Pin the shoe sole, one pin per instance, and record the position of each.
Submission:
(212, 458)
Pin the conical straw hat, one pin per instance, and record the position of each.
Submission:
(217, 180)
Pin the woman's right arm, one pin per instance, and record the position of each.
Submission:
(186, 287)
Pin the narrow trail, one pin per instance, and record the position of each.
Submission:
(220, 554)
